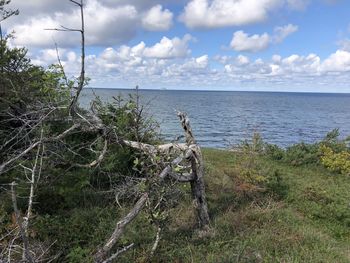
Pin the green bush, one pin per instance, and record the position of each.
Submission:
(301, 154)
(275, 152)
(277, 185)
(338, 162)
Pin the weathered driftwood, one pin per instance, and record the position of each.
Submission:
(196, 177)
(168, 169)
(155, 149)
(119, 229)
(197, 185)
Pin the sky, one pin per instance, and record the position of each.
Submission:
(260, 45)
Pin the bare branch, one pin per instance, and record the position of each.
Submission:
(3, 166)
(31, 147)
(120, 227)
(20, 224)
(185, 122)
(156, 242)
(31, 194)
(77, 3)
(153, 149)
(147, 148)
(119, 252)
(98, 160)
(61, 66)
(63, 29)
(175, 162)
(81, 81)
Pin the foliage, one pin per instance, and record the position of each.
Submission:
(274, 151)
(338, 162)
(276, 185)
(5, 12)
(250, 176)
(301, 154)
(256, 144)
(128, 118)
(28, 93)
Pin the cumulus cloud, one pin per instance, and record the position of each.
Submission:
(337, 62)
(157, 19)
(243, 42)
(242, 60)
(169, 48)
(107, 22)
(295, 67)
(100, 22)
(130, 66)
(284, 31)
(221, 13)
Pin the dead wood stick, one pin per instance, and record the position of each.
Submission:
(156, 242)
(175, 162)
(118, 253)
(197, 164)
(120, 227)
(98, 160)
(20, 224)
(153, 149)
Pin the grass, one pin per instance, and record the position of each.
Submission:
(310, 223)
(261, 209)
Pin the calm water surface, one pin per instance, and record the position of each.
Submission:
(220, 119)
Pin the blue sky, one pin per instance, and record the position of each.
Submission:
(274, 45)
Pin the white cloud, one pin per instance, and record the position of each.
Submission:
(284, 31)
(128, 65)
(169, 48)
(243, 42)
(103, 26)
(221, 13)
(157, 19)
(242, 60)
(337, 62)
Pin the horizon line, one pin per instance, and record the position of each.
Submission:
(221, 90)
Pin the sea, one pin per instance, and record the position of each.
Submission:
(222, 119)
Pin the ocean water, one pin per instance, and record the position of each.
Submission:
(222, 119)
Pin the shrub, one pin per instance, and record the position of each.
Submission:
(275, 152)
(302, 153)
(276, 185)
(335, 162)
(255, 145)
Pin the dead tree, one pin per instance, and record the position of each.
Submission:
(186, 154)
